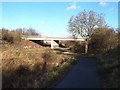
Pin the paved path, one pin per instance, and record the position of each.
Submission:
(82, 75)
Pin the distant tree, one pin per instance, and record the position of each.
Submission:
(24, 31)
(15, 36)
(31, 31)
(19, 30)
(84, 24)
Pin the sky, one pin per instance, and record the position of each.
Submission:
(51, 18)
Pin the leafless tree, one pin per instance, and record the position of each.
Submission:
(84, 24)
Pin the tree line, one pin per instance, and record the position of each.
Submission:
(16, 35)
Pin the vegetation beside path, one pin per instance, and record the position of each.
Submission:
(109, 66)
(33, 67)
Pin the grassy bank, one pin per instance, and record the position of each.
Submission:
(109, 66)
(33, 67)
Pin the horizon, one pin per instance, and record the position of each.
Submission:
(51, 18)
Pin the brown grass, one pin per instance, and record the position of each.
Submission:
(23, 67)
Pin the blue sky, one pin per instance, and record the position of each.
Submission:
(51, 18)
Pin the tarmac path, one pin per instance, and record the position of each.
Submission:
(82, 75)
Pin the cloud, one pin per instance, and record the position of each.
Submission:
(73, 6)
(103, 3)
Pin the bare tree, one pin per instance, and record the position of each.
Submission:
(32, 31)
(84, 24)
(29, 31)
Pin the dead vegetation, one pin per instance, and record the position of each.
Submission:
(26, 68)
(15, 56)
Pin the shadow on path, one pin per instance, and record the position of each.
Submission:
(82, 75)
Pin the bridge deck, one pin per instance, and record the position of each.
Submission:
(63, 39)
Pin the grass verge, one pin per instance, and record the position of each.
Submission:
(108, 66)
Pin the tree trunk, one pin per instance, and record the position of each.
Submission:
(86, 45)
(86, 48)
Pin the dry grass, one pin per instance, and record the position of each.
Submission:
(19, 56)
(24, 67)
(108, 66)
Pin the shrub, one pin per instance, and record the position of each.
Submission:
(103, 40)
(78, 47)
(108, 66)
(11, 36)
(7, 36)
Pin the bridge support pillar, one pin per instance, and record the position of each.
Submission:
(54, 44)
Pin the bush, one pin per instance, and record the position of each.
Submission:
(103, 40)
(108, 66)
(78, 47)
(7, 36)
(75, 46)
(11, 36)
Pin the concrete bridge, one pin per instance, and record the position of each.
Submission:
(53, 41)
